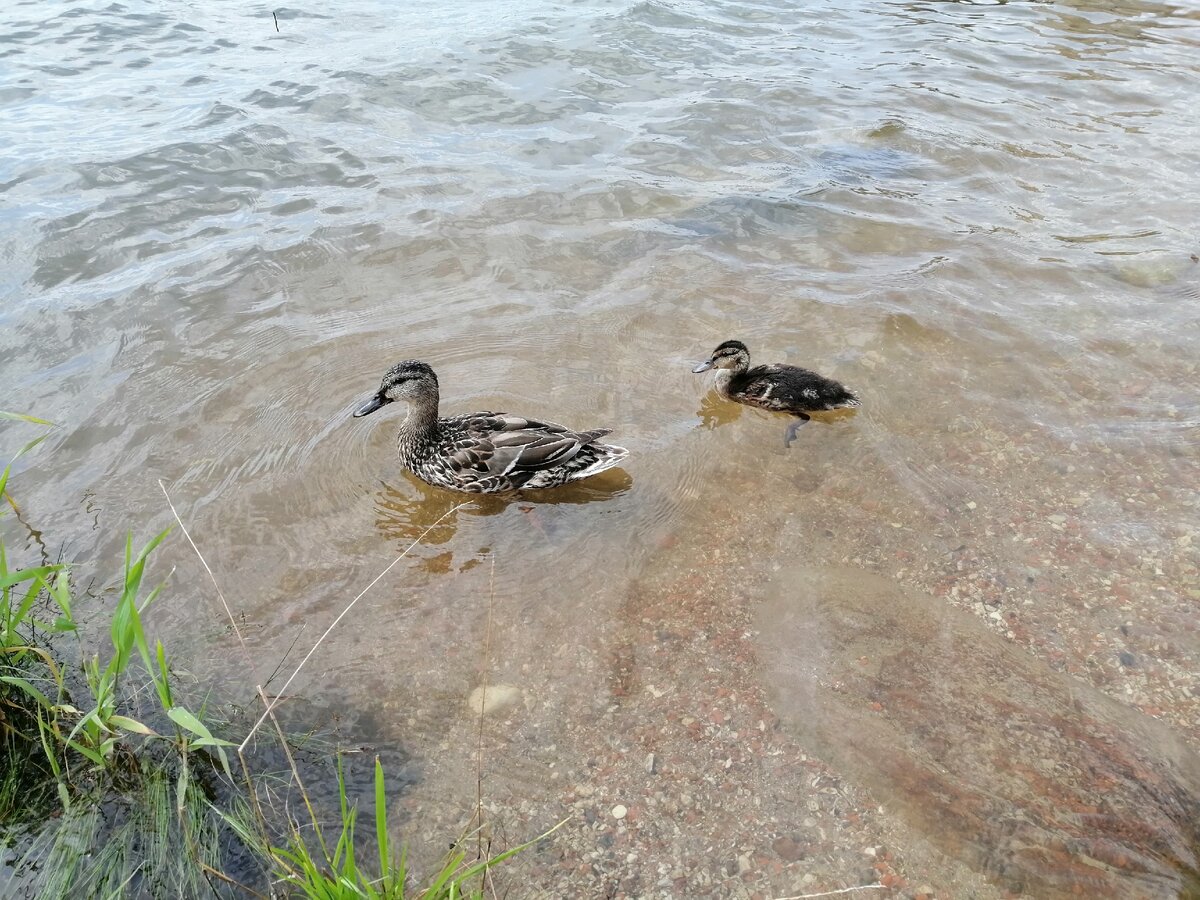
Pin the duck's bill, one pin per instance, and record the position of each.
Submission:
(370, 406)
(704, 366)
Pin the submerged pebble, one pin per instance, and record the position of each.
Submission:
(493, 698)
(1148, 270)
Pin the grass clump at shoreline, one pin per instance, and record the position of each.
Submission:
(111, 786)
(320, 869)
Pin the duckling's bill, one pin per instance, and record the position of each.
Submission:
(703, 367)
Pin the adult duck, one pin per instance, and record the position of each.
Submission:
(484, 452)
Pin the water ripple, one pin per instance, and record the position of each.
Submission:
(216, 236)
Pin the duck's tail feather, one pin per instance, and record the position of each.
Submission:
(606, 456)
(849, 400)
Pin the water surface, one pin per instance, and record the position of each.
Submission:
(216, 236)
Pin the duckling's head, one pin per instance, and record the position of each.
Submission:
(409, 380)
(729, 355)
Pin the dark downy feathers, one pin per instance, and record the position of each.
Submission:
(777, 387)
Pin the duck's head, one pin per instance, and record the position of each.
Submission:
(409, 380)
(729, 355)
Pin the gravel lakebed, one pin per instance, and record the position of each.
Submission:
(682, 770)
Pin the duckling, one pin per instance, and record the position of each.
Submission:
(484, 452)
(777, 387)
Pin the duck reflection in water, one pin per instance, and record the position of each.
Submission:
(404, 511)
(715, 410)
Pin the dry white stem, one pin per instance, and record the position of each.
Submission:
(212, 577)
(283, 690)
(487, 649)
(861, 887)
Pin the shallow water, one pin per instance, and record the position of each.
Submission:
(1072, 790)
(216, 237)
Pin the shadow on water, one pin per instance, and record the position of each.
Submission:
(1032, 777)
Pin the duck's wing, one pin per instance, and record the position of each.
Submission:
(790, 388)
(773, 386)
(504, 446)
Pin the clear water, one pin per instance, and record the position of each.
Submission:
(216, 236)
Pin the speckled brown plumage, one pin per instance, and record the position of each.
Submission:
(485, 452)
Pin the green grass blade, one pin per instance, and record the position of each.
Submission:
(126, 621)
(185, 719)
(8, 579)
(501, 857)
(139, 636)
(181, 790)
(349, 819)
(150, 598)
(24, 417)
(381, 831)
(164, 691)
(132, 725)
(17, 682)
(91, 754)
(8, 469)
(60, 592)
(58, 626)
(52, 758)
(445, 875)
(31, 595)
(212, 742)
(224, 757)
